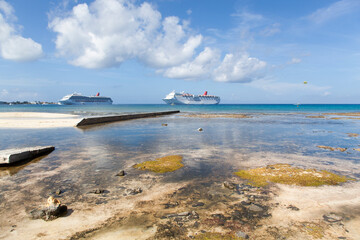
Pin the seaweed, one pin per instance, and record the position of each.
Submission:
(162, 165)
(286, 174)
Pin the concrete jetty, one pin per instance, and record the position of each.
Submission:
(13, 155)
(109, 119)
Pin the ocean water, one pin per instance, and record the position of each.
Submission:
(221, 108)
(89, 158)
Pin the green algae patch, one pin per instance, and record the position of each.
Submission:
(315, 230)
(162, 165)
(286, 174)
(216, 236)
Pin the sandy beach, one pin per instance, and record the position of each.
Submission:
(31, 120)
(204, 199)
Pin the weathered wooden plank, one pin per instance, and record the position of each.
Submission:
(98, 120)
(13, 155)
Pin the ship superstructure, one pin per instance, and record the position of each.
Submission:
(78, 99)
(174, 98)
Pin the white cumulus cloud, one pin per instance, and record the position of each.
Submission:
(109, 32)
(201, 67)
(239, 68)
(12, 45)
(106, 33)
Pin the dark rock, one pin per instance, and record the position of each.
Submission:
(341, 237)
(332, 217)
(49, 213)
(121, 173)
(134, 191)
(164, 124)
(236, 215)
(293, 208)
(241, 234)
(97, 191)
(37, 213)
(246, 203)
(171, 205)
(170, 231)
(200, 129)
(196, 225)
(230, 185)
(198, 204)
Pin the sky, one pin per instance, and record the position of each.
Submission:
(245, 51)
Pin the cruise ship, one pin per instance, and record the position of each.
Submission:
(78, 99)
(174, 98)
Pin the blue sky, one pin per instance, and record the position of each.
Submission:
(245, 51)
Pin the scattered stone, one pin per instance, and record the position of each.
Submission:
(230, 185)
(134, 191)
(353, 134)
(293, 208)
(121, 173)
(183, 214)
(171, 205)
(58, 192)
(198, 204)
(194, 215)
(164, 124)
(97, 191)
(52, 211)
(200, 129)
(342, 238)
(255, 208)
(246, 203)
(332, 217)
(242, 235)
(332, 148)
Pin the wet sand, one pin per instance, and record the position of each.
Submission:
(174, 206)
(30, 120)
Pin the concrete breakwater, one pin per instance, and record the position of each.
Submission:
(14, 155)
(109, 119)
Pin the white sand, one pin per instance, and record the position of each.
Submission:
(37, 120)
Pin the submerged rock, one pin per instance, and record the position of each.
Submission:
(230, 185)
(332, 148)
(293, 208)
(241, 234)
(121, 173)
(97, 191)
(134, 191)
(332, 217)
(255, 208)
(198, 204)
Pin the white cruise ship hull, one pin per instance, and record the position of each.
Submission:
(189, 99)
(83, 103)
(78, 99)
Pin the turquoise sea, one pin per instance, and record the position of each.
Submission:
(221, 108)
